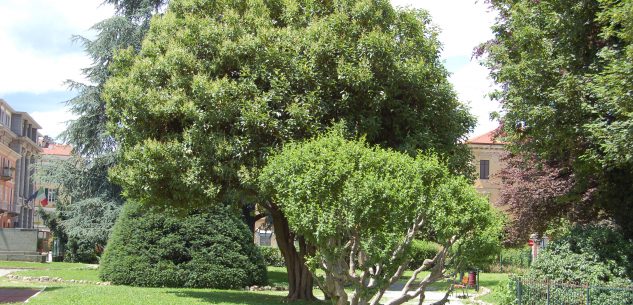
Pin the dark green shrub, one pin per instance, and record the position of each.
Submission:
(204, 249)
(272, 256)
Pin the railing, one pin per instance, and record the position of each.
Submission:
(532, 292)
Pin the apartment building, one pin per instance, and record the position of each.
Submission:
(18, 152)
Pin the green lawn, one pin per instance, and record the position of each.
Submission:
(50, 266)
(56, 293)
(494, 282)
(75, 293)
(277, 276)
(65, 274)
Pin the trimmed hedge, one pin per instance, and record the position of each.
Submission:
(272, 256)
(212, 249)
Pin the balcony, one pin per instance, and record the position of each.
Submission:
(6, 173)
(7, 207)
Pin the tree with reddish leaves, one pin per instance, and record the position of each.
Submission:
(533, 194)
(565, 75)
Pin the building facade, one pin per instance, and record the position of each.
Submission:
(488, 157)
(52, 153)
(18, 153)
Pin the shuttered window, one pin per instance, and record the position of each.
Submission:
(484, 169)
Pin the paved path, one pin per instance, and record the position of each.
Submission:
(4, 272)
(430, 296)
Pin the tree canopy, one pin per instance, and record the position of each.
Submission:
(218, 86)
(363, 206)
(89, 202)
(565, 69)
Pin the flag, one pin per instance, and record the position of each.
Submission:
(32, 196)
(42, 197)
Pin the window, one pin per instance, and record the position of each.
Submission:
(265, 237)
(52, 195)
(484, 169)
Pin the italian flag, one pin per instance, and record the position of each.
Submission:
(42, 197)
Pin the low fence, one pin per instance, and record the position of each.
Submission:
(533, 292)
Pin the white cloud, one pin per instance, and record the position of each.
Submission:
(472, 85)
(34, 69)
(52, 122)
(464, 24)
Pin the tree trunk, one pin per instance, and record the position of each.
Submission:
(300, 279)
(249, 219)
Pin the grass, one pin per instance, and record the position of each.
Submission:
(76, 293)
(91, 294)
(46, 266)
(277, 276)
(66, 271)
(495, 282)
(65, 274)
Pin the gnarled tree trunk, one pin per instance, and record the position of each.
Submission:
(300, 279)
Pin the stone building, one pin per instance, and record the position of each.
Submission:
(18, 152)
(488, 153)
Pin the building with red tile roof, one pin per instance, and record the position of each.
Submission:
(489, 137)
(53, 149)
(488, 153)
(52, 153)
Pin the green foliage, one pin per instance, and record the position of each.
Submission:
(87, 205)
(588, 255)
(515, 260)
(89, 202)
(207, 99)
(421, 250)
(202, 249)
(566, 72)
(272, 256)
(347, 196)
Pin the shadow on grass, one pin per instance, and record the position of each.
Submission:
(277, 277)
(237, 297)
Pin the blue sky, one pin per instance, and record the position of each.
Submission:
(37, 53)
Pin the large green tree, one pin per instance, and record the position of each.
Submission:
(89, 202)
(219, 85)
(362, 207)
(566, 73)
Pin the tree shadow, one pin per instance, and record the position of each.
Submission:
(237, 297)
(278, 277)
